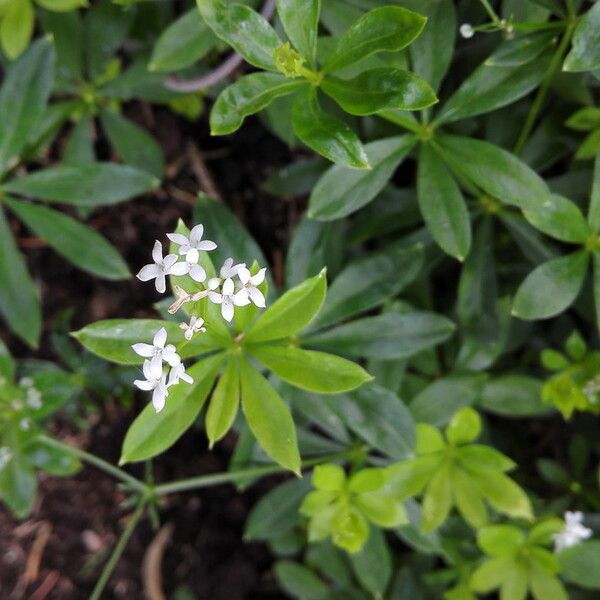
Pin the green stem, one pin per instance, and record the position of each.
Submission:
(236, 476)
(570, 8)
(544, 88)
(117, 552)
(97, 462)
(490, 11)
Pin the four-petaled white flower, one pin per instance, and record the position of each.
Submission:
(250, 283)
(194, 242)
(195, 325)
(177, 373)
(161, 268)
(229, 270)
(157, 352)
(572, 533)
(156, 383)
(228, 298)
(194, 270)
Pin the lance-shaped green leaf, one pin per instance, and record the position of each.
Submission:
(372, 565)
(513, 395)
(491, 86)
(299, 581)
(23, 98)
(503, 493)
(387, 336)
(437, 501)
(78, 243)
(325, 134)
(384, 29)
(596, 285)
(224, 402)
(18, 483)
(80, 147)
(290, 313)
(16, 27)
(269, 418)
(368, 282)
(521, 50)
(585, 53)
(442, 204)
(112, 339)
(581, 564)
(309, 370)
(379, 89)
(247, 96)
(594, 210)
(551, 288)
(133, 144)
(84, 185)
(496, 171)
(300, 19)
(18, 297)
(182, 43)
(560, 218)
(342, 191)
(243, 29)
(152, 433)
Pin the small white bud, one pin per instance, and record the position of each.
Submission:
(467, 31)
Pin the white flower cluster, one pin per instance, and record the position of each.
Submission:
(235, 286)
(572, 533)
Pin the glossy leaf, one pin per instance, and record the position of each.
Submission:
(300, 19)
(552, 287)
(342, 191)
(224, 403)
(248, 95)
(78, 243)
(325, 134)
(585, 53)
(380, 89)
(383, 29)
(442, 204)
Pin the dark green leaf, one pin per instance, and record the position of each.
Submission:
(581, 564)
(80, 147)
(373, 564)
(513, 395)
(300, 19)
(224, 403)
(299, 582)
(585, 53)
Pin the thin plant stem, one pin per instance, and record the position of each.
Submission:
(236, 476)
(544, 88)
(490, 11)
(117, 552)
(570, 8)
(98, 463)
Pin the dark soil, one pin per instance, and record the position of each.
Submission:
(59, 551)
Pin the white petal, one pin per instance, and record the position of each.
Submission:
(178, 238)
(143, 384)
(196, 234)
(257, 297)
(170, 356)
(157, 252)
(189, 334)
(180, 268)
(187, 378)
(259, 277)
(169, 261)
(160, 338)
(156, 366)
(215, 298)
(227, 309)
(145, 350)
(244, 275)
(226, 266)
(213, 283)
(161, 284)
(193, 256)
(206, 245)
(241, 298)
(158, 398)
(147, 370)
(197, 273)
(228, 287)
(184, 248)
(148, 272)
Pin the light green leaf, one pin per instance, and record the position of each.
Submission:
(300, 19)
(325, 134)
(133, 144)
(313, 371)
(429, 439)
(243, 29)
(224, 403)
(152, 433)
(476, 457)
(18, 484)
(551, 288)
(380, 89)
(504, 494)
(185, 41)
(84, 185)
(581, 564)
(78, 243)
(342, 191)
(497, 172)
(491, 574)
(437, 501)
(544, 586)
(269, 418)
(290, 313)
(366, 481)
(585, 53)
(442, 205)
(16, 27)
(329, 478)
(585, 119)
(23, 96)
(248, 95)
(501, 541)
(18, 297)
(468, 499)
(383, 29)
(464, 427)
(382, 509)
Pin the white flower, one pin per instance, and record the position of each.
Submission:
(5, 456)
(161, 268)
(195, 325)
(195, 271)
(158, 385)
(194, 242)
(572, 533)
(157, 352)
(250, 284)
(177, 373)
(228, 298)
(467, 31)
(229, 270)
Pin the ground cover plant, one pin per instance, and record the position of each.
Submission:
(351, 300)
